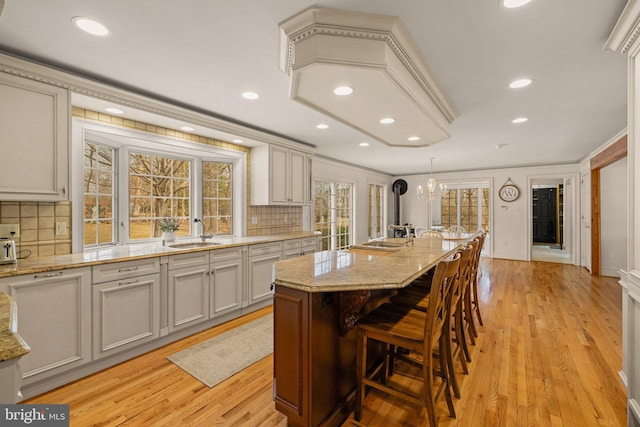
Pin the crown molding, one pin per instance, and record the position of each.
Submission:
(84, 86)
(627, 28)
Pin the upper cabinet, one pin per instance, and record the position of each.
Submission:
(280, 176)
(34, 138)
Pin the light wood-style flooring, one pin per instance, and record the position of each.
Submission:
(548, 355)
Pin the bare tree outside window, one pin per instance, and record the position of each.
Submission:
(98, 189)
(216, 197)
(159, 188)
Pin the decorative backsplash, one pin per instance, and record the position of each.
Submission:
(38, 219)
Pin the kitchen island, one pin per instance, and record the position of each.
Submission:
(318, 300)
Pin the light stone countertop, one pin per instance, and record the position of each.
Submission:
(357, 269)
(11, 345)
(109, 254)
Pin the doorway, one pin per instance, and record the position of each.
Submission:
(550, 232)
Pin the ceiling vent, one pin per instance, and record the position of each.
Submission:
(322, 49)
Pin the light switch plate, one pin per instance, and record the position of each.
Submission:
(6, 229)
(61, 228)
(254, 220)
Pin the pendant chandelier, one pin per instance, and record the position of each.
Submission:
(431, 186)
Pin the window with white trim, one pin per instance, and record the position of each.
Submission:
(376, 210)
(129, 182)
(333, 204)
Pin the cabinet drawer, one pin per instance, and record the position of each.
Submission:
(188, 260)
(308, 250)
(291, 244)
(226, 254)
(265, 248)
(308, 241)
(122, 270)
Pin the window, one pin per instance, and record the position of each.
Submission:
(98, 189)
(376, 212)
(466, 206)
(131, 181)
(333, 213)
(216, 197)
(159, 188)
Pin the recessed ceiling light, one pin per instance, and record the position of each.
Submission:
(250, 95)
(187, 128)
(114, 110)
(519, 120)
(387, 120)
(322, 126)
(516, 84)
(414, 138)
(514, 3)
(343, 90)
(90, 26)
(364, 144)
(238, 141)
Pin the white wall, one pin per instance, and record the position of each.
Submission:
(360, 178)
(613, 218)
(510, 223)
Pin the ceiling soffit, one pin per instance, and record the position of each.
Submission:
(321, 49)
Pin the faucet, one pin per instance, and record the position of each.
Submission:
(203, 236)
(407, 228)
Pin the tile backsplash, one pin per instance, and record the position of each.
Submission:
(37, 225)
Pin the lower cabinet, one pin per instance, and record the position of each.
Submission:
(126, 313)
(54, 318)
(188, 296)
(262, 257)
(226, 281)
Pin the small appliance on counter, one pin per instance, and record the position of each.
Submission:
(8, 250)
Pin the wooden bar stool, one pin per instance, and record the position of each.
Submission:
(475, 301)
(413, 297)
(420, 333)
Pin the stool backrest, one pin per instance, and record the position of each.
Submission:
(443, 279)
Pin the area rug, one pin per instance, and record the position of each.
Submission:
(218, 358)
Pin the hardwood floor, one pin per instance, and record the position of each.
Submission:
(548, 355)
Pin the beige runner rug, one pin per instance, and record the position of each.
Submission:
(218, 358)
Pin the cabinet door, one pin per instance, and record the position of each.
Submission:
(125, 313)
(297, 178)
(188, 297)
(279, 174)
(226, 287)
(54, 319)
(34, 134)
(261, 276)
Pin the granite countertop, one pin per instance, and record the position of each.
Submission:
(119, 253)
(11, 345)
(358, 269)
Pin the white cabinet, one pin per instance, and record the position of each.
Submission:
(204, 285)
(291, 248)
(188, 290)
(279, 176)
(126, 313)
(262, 257)
(34, 135)
(308, 245)
(226, 279)
(126, 305)
(54, 318)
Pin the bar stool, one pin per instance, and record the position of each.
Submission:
(475, 301)
(420, 333)
(412, 297)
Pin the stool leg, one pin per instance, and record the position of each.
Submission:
(449, 360)
(361, 368)
(476, 302)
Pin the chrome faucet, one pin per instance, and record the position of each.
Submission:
(203, 236)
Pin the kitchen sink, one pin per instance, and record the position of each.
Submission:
(193, 245)
(382, 244)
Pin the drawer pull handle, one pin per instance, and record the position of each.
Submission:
(46, 275)
(130, 282)
(125, 270)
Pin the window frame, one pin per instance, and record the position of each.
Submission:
(382, 212)
(125, 140)
(333, 237)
